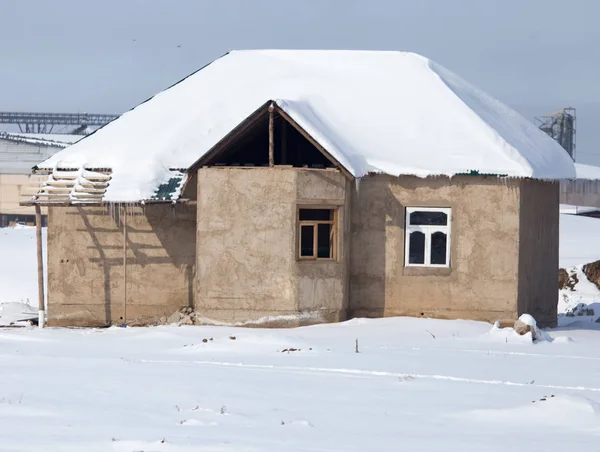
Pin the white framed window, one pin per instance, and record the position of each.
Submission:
(427, 242)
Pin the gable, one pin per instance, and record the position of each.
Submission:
(269, 137)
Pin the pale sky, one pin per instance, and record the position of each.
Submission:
(106, 56)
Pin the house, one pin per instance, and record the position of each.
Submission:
(18, 153)
(285, 188)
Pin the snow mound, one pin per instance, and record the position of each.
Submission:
(497, 334)
(16, 312)
(449, 127)
(528, 319)
(552, 411)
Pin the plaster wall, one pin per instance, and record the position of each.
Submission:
(482, 281)
(87, 284)
(248, 272)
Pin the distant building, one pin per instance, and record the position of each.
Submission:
(581, 195)
(19, 152)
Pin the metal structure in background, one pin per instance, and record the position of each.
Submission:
(560, 126)
(45, 122)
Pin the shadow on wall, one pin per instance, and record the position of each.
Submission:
(160, 257)
(375, 210)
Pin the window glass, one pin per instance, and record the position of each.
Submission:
(424, 218)
(438, 248)
(324, 243)
(416, 251)
(316, 215)
(307, 240)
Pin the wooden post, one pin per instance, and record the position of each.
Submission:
(124, 265)
(40, 262)
(271, 137)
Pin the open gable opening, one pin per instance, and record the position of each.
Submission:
(248, 145)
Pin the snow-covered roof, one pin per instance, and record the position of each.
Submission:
(373, 111)
(44, 139)
(588, 172)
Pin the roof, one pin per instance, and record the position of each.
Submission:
(389, 112)
(588, 172)
(43, 139)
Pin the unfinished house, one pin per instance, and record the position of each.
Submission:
(284, 188)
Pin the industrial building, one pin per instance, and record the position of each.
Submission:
(36, 141)
(19, 152)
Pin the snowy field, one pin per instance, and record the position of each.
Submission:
(18, 265)
(416, 384)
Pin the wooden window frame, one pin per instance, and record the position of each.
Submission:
(428, 231)
(333, 240)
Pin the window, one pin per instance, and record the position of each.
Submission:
(317, 233)
(427, 237)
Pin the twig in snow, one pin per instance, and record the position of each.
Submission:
(432, 335)
(356, 346)
(407, 377)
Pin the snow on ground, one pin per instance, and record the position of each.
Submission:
(584, 292)
(422, 384)
(18, 265)
(579, 305)
(579, 240)
(418, 384)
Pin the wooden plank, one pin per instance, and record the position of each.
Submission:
(40, 264)
(124, 265)
(319, 203)
(271, 137)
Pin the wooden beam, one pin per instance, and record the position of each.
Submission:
(271, 136)
(40, 265)
(124, 221)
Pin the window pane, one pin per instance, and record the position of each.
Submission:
(307, 234)
(316, 214)
(438, 248)
(324, 242)
(420, 218)
(416, 248)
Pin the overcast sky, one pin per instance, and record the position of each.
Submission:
(105, 56)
